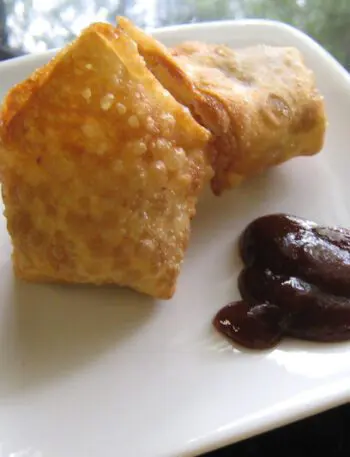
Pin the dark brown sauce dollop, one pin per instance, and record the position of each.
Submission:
(296, 247)
(296, 282)
(259, 326)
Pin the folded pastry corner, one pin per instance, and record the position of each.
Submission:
(260, 103)
(100, 168)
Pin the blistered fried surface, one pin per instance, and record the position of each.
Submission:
(100, 169)
(269, 94)
(260, 103)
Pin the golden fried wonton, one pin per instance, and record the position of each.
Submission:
(260, 103)
(100, 169)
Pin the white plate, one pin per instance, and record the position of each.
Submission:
(90, 372)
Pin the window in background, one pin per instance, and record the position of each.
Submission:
(36, 25)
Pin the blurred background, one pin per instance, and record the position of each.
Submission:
(35, 25)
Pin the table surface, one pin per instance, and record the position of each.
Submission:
(35, 25)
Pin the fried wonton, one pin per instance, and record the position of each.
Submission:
(101, 168)
(260, 103)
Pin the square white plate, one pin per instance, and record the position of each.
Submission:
(87, 372)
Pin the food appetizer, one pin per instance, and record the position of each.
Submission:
(100, 168)
(105, 150)
(260, 103)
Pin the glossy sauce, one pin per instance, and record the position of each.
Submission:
(257, 327)
(296, 282)
(295, 247)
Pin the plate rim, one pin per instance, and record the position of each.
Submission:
(291, 410)
(159, 32)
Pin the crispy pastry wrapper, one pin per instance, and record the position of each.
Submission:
(260, 103)
(101, 169)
